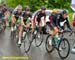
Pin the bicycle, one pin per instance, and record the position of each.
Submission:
(26, 38)
(14, 33)
(61, 44)
(32, 36)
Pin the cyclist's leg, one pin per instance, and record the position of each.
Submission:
(33, 25)
(20, 33)
(53, 32)
(6, 18)
(13, 23)
(40, 25)
(28, 25)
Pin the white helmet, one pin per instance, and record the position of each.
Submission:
(18, 7)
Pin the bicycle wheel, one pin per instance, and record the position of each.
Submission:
(64, 45)
(49, 44)
(38, 39)
(12, 35)
(47, 28)
(27, 42)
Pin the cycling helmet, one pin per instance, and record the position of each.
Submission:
(55, 11)
(19, 7)
(43, 8)
(27, 9)
(65, 12)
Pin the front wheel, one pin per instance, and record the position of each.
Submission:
(27, 42)
(38, 39)
(64, 45)
(49, 44)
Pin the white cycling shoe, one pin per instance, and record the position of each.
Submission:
(19, 42)
(12, 29)
(73, 50)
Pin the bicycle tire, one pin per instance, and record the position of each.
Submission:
(25, 43)
(41, 38)
(52, 49)
(64, 39)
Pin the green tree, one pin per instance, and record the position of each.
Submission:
(36, 4)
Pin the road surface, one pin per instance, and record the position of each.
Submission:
(8, 48)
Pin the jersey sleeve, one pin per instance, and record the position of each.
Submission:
(68, 24)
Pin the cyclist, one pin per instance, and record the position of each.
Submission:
(40, 18)
(53, 21)
(5, 9)
(3, 14)
(53, 24)
(58, 21)
(63, 20)
(16, 15)
(25, 20)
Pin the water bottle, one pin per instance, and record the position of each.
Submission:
(57, 39)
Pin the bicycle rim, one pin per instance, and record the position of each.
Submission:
(65, 48)
(39, 39)
(49, 48)
(27, 43)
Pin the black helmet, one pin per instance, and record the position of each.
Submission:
(65, 12)
(27, 9)
(43, 8)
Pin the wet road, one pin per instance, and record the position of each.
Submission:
(8, 48)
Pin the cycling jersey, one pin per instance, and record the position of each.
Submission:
(26, 17)
(61, 22)
(17, 15)
(53, 21)
(39, 16)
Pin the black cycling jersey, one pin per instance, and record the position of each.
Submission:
(57, 20)
(61, 22)
(26, 17)
(39, 16)
(17, 15)
(53, 21)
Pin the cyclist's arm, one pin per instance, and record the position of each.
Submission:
(68, 24)
(45, 18)
(13, 17)
(6, 14)
(35, 19)
(58, 22)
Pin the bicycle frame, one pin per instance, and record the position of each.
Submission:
(61, 38)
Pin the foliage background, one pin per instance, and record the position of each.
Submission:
(36, 4)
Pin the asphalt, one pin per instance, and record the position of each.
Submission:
(9, 48)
